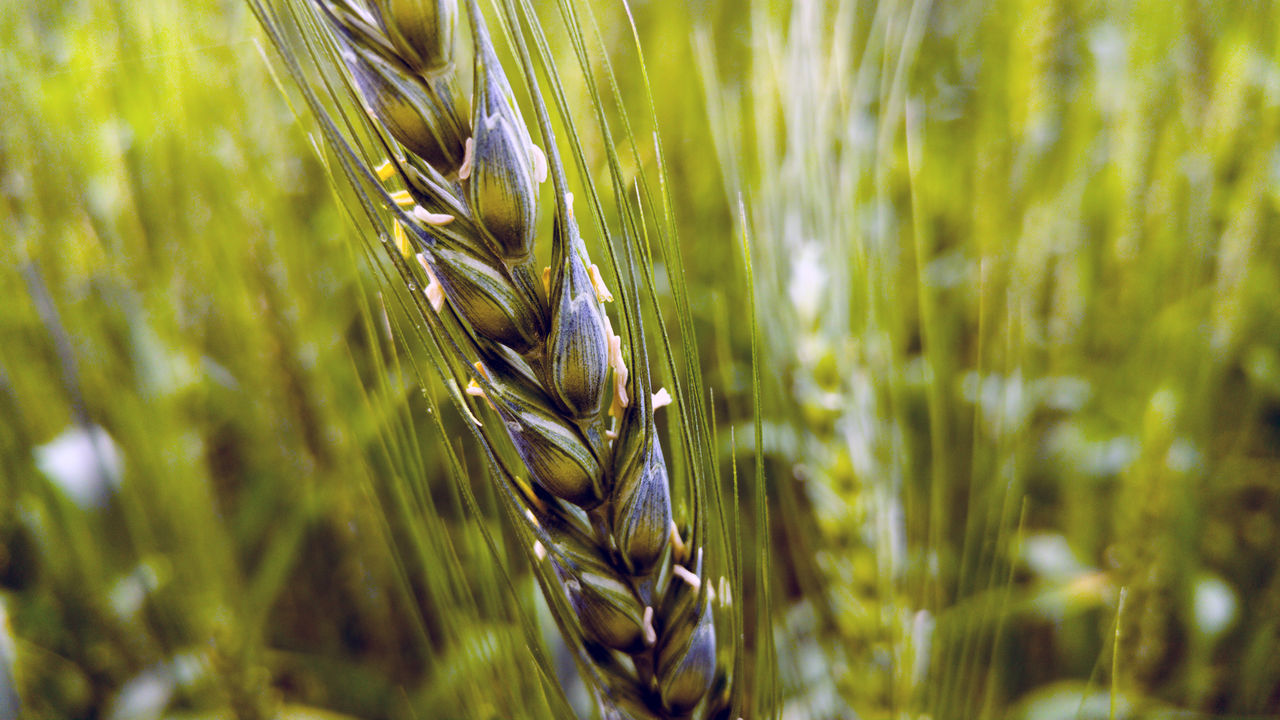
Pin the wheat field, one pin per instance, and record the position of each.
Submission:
(636, 359)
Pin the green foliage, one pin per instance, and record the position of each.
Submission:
(232, 521)
(1022, 271)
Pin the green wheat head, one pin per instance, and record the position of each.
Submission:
(559, 396)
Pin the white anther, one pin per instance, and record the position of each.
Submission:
(677, 543)
(661, 399)
(468, 154)
(650, 635)
(434, 290)
(620, 374)
(431, 218)
(453, 385)
(620, 399)
(686, 576)
(597, 282)
(539, 160)
(435, 295)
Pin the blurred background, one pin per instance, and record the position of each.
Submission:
(1017, 282)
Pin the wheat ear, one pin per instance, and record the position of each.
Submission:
(629, 593)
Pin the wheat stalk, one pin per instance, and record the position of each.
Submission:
(628, 591)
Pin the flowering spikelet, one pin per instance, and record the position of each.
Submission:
(641, 493)
(485, 296)
(687, 653)
(607, 609)
(641, 509)
(423, 114)
(500, 182)
(577, 352)
(557, 456)
(420, 30)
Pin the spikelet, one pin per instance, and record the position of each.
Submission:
(553, 449)
(425, 115)
(500, 178)
(421, 31)
(605, 605)
(687, 655)
(641, 510)
(577, 354)
(487, 298)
